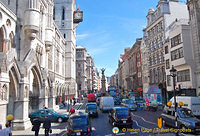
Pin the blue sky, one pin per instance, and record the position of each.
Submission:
(109, 26)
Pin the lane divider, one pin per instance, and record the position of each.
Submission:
(144, 119)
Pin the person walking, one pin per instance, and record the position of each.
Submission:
(36, 126)
(1, 131)
(7, 131)
(47, 125)
(72, 110)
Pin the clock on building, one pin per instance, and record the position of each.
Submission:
(78, 16)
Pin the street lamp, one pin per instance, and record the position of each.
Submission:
(173, 75)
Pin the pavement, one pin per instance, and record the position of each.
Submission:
(58, 129)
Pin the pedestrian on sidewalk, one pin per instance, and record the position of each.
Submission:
(1, 131)
(36, 126)
(47, 125)
(72, 110)
(44, 107)
(74, 101)
(7, 131)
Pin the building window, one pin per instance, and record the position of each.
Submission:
(166, 50)
(64, 36)
(167, 64)
(177, 54)
(158, 59)
(168, 80)
(175, 40)
(183, 75)
(54, 13)
(8, 2)
(50, 59)
(57, 61)
(63, 13)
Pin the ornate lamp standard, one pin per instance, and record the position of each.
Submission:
(173, 75)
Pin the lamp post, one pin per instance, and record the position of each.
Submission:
(173, 75)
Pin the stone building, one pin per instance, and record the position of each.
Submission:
(89, 70)
(178, 52)
(35, 57)
(194, 15)
(81, 65)
(157, 34)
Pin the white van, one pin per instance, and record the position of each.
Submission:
(190, 102)
(106, 103)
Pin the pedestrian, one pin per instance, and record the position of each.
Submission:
(70, 101)
(74, 101)
(63, 102)
(7, 131)
(72, 110)
(36, 126)
(1, 131)
(47, 125)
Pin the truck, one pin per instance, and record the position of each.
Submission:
(190, 102)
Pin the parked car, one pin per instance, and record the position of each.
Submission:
(91, 109)
(106, 103)
(79, 125)
(129, 103)
(120, 116)
(185, 118)
(117, 101)
(54, 116)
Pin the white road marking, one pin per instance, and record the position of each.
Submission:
(109, 135)
(144, 119)
(138, 124)
(93, 128)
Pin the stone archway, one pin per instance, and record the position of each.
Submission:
(34, 91)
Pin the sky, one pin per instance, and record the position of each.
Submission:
(109, 26)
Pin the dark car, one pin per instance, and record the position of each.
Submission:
(117, 101)
(54, 116)
(79, 125)
(91, 109)
(120, 116)
(185, 119)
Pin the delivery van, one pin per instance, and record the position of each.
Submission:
(106, 103)
(190, 102)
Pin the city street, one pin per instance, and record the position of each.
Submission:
(145, 124)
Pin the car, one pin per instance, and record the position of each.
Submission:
(79, 125)
(185, 119)
(129, 103)
(54, 116)
(91, 109)
(117, 101)
(106, 103)
(120, 116)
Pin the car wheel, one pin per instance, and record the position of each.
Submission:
(60, 120)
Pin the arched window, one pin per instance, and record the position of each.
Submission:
(63, 13)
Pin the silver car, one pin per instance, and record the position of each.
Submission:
(129, 103)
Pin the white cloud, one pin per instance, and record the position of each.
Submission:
(81, 36)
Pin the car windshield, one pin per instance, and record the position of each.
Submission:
(186, 113)
(78, 121)
(53, 112)
(122, 112)
(129, 101)
(92, 107)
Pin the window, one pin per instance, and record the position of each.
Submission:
(167, 64)
(54, 13)
(166, 50)
(168, 80)
(63, 13)
(183, 75)
(177, 54)
(158, 59)
(64, 36)
(175, 40)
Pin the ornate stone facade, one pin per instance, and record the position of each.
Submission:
(34, 59)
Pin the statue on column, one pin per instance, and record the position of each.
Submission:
(103, 82)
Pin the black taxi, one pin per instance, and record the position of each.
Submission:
(120, 116)
(91, 109)
(79, 125)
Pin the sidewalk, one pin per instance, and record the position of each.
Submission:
(57, 128)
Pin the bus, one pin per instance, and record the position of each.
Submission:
(112, 91)
(91, 97)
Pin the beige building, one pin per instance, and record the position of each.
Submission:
(156, 35)
(178, 52)
(35, 57)
(194, 12)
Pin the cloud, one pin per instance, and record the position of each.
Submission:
(81, 36)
